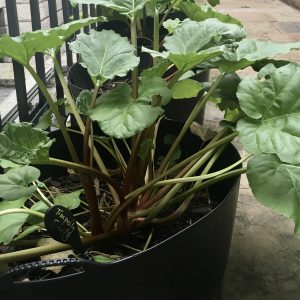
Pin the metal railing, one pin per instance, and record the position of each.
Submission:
(31, 103)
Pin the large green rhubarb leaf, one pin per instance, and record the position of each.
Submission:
(127, 7)
(23, 144)
(11, 224)
(193, 36)
(196, 42)
(200, 13)
(250, 51)
(276, 185)
(17, 182)
(22, 48)
(105, 54)
(272, 107)
(120, 116)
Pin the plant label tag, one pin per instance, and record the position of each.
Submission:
(61, 225)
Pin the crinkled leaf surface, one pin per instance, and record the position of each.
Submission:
(6, 164)
(272, 107)
(122, 117)
(23, 47)
(128, 7)
(186, 88)
(194, 36)
(249, 51)
(11, 224)
(196, 42)
(186, 62)
(83, 101)
(105, 54)
(154, 85)
(69, 200)
(201, 13)
(276, 185)
(16, 182)
(171, 24)
(23, 144)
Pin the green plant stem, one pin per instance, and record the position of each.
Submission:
(22, 211)
(210, 182)
(91, 197)
(173, 78)
(90, 192)
(187, 124)
(202, 177)
(53, 248)
(80, 123)
(175, 214)
(75, 112)
(86, 169)
(43, 197)
(139, 27)
(134, 76)
(86, 136)
(147, 244)
(119, 156)
(217, 141)
(156, 32)
(167, 13)
(172, 193)
(56, 112)
(190, 169)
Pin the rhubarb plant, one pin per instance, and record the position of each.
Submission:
(263, 113)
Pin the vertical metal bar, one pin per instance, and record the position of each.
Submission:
(53, 23)
(93, 14)
(85, 14)
(76, 12)
(66, 16)
(39, 57)
(98, 10)
(99, 13)
(20, 80)
(76, 17)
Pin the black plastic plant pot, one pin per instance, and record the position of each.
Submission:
(79, 80)
(188, 265)
(117, 26)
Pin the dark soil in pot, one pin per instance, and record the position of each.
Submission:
(188, 265)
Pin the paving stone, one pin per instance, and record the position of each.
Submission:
(6, 74)
(289, 27)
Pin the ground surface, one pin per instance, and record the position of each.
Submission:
(264, 262)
